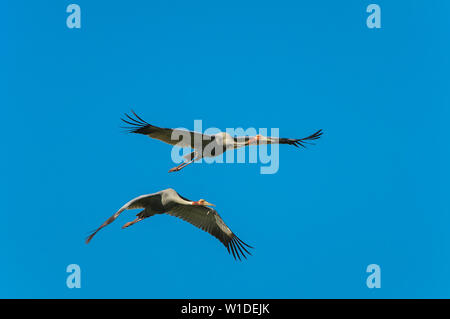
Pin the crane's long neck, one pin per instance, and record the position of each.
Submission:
(171, 198)
(182, 201)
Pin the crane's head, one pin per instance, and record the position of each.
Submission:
(202, 202)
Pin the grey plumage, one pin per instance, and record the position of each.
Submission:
(207, 145)
(197, 213)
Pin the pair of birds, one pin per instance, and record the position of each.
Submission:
(198, 213)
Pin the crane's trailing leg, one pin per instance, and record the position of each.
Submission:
(132, 222)
(184, 164)
(179, 167)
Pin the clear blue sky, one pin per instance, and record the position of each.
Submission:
(373, 190)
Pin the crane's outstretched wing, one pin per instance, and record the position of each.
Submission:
(291, 141)
(181, 138)
(208, 219)
(138, 202)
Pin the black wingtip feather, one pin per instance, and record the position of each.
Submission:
(138, 125)
(243, 242)
(245, 251)
(139, 118)
(302, 141)
(237, 249)
(232, 249)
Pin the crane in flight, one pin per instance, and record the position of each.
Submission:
(206, 145)
(198, 213)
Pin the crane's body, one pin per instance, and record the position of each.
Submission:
(206, 145)
(197, 213)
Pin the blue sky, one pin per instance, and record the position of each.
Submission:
(373, 190)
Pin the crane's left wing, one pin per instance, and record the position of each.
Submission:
(208, 219)
(178, 137)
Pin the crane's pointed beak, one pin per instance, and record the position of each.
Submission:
(208, 204)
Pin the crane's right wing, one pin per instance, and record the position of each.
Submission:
(291, 141)
(208, 220)
(178, 137)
